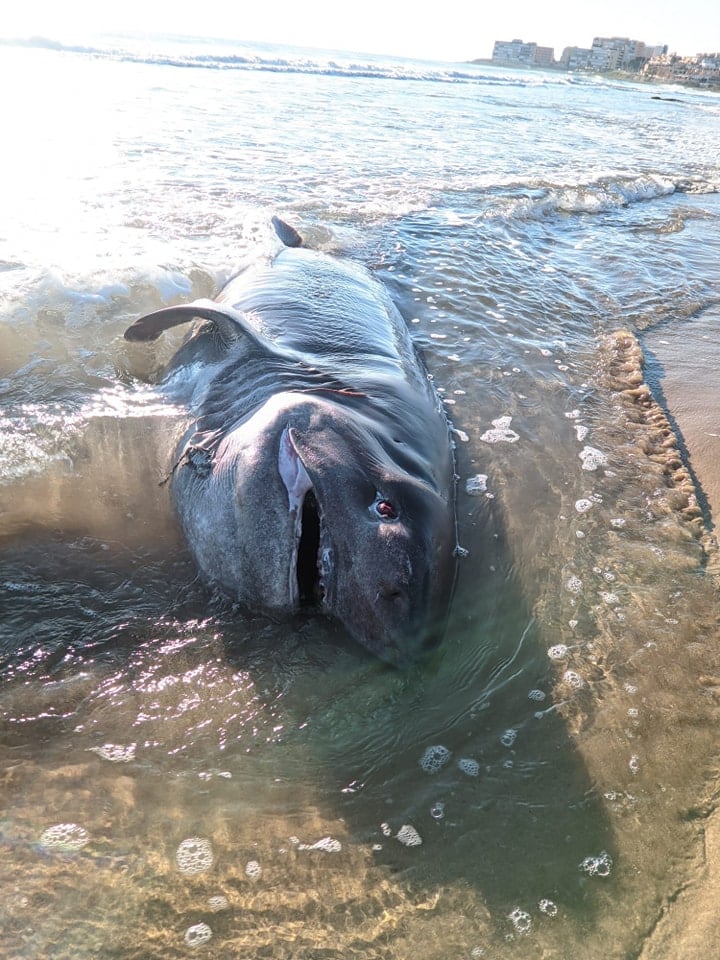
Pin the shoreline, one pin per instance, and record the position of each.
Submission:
(620, 75)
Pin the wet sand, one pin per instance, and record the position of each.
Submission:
(682, 366)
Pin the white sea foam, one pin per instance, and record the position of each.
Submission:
(115, 752)
(521, 920)
(468, 766)
(558, 651)
(408, 836)
(434, 758)
(65, 836)
(581, 432)
(326, 845)
(198, 934)
(592, 458)
(597, 866)
(501, 432)
(476, 485)
(593, 197)
(573, 679)
(194, 856)
(218, 903)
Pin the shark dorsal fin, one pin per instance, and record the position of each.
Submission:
(289, 235)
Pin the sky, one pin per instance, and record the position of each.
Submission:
(444, 30)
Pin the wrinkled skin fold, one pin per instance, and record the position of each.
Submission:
(318, 472)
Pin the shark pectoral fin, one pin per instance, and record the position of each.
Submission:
(153, 324)
(231, 323)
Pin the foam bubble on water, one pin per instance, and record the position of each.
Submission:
(434, 758)
(598, 866)
(437, 810)
(385, 828)
(197, 935)
(501, 432)
(468, 766)
(634, 764)
(476, 485)
(574, 584)
(115, 752)
(558, 651)
(461, 435)
(253, 870)
(618, 523)
(325, 844)
(609, 598)
(477, 952)
(521, 920)
(509, 737)
(581, 432)
(548, 907)
(218, 903)
(583, 505)
(592, 458)
(579, 534)
(536, 695)
(408, 836)
(573, 414)
(65, 836)
(194, 856)
(573, 679)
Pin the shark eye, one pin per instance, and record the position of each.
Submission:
(385, 510)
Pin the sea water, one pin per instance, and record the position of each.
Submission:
(178, 776)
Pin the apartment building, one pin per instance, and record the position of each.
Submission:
(516, 53)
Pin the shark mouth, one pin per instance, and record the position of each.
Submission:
(308, 565)
(309, 559)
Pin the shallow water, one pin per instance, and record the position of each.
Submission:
(522, 222)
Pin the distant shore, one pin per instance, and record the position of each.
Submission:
(625, 75)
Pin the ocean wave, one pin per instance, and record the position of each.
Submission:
(524, 202)
(313, 62)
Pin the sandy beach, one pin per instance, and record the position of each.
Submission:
(682, 370)
(681, 365)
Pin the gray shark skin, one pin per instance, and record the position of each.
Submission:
(319, 471)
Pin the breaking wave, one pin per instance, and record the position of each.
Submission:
(257, 57)
(528, 202)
